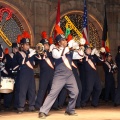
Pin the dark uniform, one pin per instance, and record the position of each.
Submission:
(109, 79)
(7, 72)
(1, 56)
(7, 59)
(63, 76)
(46, 64)
(117, 96)
(82, 76)
(77, 77)
(93, 83)
(16, 68)
(26, 79)
(16, 71)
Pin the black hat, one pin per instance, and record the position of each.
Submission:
(108, 54)
(59, 38)
(86, 47)
(44, 41)
(24, 40)
(14, 45)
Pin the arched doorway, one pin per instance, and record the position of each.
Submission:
(14, 26)
(94, 27)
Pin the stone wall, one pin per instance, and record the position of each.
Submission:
(41, 15)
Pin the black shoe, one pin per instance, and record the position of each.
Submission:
(6, 109)
(36, 108)
(83, 105)
(19, 112)
(56, 108)
(15, 108)
(42, 115)
(60, 107)
(33, 110)
(116, 105)
(94, 105)
(78, 107)
(71, 114)
(106, 101)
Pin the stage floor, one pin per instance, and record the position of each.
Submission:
(88, 113)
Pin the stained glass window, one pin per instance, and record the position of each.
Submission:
(77, 20)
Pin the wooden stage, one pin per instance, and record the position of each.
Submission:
(106, 112)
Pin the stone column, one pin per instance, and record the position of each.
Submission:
(41, 19)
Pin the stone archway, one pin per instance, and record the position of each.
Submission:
(76, 7)
(16, 25)
(95, 28)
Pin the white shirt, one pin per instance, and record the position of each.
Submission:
(57, 52)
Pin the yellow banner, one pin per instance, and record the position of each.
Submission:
(4, 37)
(72, 26)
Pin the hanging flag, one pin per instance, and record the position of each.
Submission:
(85, 23)
(58, 30)
(57, 17)
(105, 40)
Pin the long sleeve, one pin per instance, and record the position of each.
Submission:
(98, 59)
(78, 55)
(56, 53)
